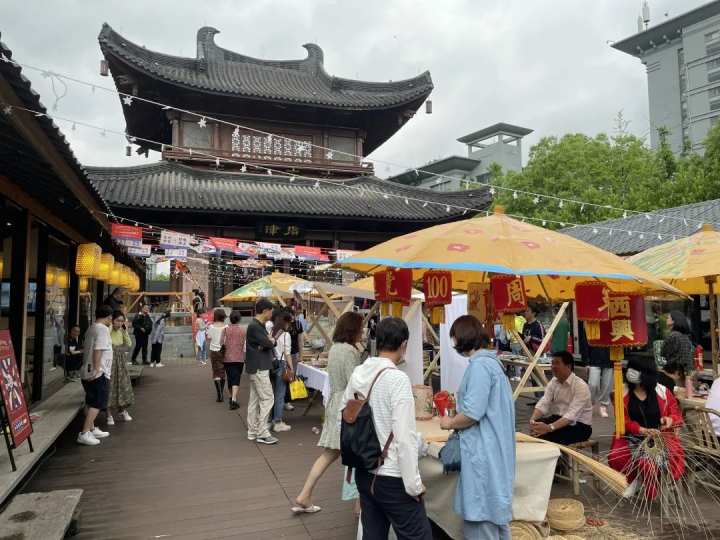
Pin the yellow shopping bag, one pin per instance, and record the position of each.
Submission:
(298, 390)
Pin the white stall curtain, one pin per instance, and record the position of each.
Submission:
(452, 365)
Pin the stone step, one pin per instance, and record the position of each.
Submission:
(51, 515)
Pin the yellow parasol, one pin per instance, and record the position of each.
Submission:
(276, 285)
(691, 264)
(551, 263)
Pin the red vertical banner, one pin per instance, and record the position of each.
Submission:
(508, 294)
(12, 394)
(626, 326)
(380, 286)
(437, 287)
(399, 285)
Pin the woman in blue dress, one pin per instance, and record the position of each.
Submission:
(486, 424)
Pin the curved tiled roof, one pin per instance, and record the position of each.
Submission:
(218, 70)
(169, 185)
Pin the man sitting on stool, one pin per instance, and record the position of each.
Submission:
(564, 414)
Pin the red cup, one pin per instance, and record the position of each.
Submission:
(441, 400)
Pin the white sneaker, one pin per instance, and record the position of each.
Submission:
(289, 407)
(280, 426)
(603, 411)
(159, 364)
(152, 364)
(87, 438)
(110, 420)
(126, 416)
(99, 433)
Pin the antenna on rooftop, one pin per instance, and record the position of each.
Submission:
(646, 13)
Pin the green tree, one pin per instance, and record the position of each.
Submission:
(618, 171)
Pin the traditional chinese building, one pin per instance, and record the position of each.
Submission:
(320, 128)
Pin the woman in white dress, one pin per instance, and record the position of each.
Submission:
(343, 358)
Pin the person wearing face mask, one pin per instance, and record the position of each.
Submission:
(486, 423)
(650, 411)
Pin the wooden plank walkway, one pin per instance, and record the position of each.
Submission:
(184, 469)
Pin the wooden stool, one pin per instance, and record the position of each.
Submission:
(574, 468)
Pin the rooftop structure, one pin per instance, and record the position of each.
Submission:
(682, 56)
(499, 143)
(612, 235)
(297, 100)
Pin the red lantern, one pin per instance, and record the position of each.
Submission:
(437, 287)
(380, 284)
(626, 325)
(508, 296)
(394, 286)
(592, 304)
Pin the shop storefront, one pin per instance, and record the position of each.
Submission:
(48, 208)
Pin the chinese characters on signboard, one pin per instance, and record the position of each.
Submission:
(279, 231)
(508, 294)
(626, 326)
(16, 413)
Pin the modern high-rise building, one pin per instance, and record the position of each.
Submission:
(682, 56)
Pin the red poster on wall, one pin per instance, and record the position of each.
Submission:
(12, 394)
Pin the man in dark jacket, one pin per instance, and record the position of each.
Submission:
(142, 326)
(258, 362)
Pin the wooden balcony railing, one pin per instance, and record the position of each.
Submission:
(275, 162)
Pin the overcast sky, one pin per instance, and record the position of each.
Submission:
(542, 64)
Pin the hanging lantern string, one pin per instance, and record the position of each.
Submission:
(203, 118)
(361, 189)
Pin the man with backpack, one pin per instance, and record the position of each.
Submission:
(379, 440)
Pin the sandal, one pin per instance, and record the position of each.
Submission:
(312, 509)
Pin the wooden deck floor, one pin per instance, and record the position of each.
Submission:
(183, 469)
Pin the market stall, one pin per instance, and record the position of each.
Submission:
(502, 263)
(692, 264)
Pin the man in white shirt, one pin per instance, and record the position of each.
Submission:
(96, 373)
(396, 496)
(564, 414)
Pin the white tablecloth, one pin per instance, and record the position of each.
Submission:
(315, 378)
(534, 471)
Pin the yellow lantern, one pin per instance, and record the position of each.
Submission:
(88, 260)
(107, 261)
(84, 284)
(2, 264)
(62, 279)
(128, 278)
(115, 275)
(50, 276)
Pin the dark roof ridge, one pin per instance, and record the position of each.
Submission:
(213, 59)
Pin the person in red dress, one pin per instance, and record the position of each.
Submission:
(652, 417)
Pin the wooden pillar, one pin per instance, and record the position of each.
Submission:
(712, 299)
(19, 288)
(40, 304)
(74, 291)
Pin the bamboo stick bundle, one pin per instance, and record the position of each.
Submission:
(615, 480)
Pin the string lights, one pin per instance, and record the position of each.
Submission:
(329, 152)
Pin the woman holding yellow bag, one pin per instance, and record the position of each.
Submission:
(343, 358)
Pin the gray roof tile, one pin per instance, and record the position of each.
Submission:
(168, 185)
(222, 71)
(662, 226)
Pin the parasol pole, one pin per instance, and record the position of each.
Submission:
(534, 359)
(710, 280)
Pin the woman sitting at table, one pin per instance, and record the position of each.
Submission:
(343, 358)
(651, 416)
(486, 422)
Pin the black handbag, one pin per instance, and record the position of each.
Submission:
(450, 453)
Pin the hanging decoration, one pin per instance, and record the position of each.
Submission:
(508, 298)
(592, 304)
(62, 279)
(84, 284)
(393, 289)
(437, 287)
(626, 327)
(107, 261)
(50, 276)
(479, 301)
(87, 260)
